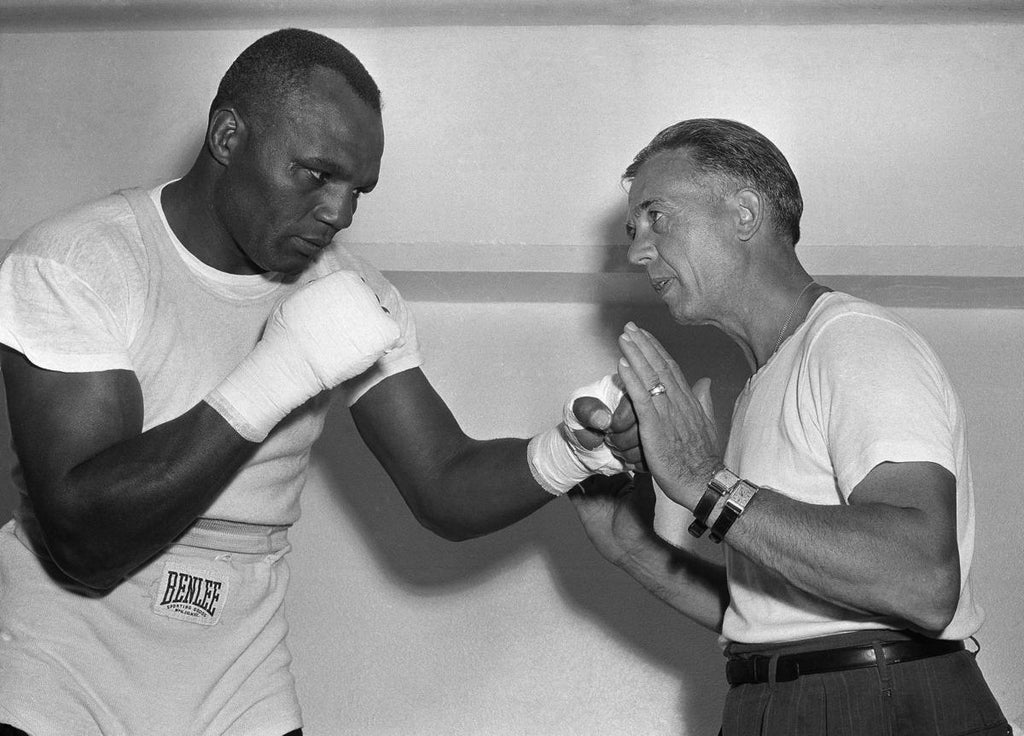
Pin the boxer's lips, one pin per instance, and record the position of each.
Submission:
(319, 243)
(311, 246)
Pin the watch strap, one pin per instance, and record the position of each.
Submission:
(721, 483)
(734, 505)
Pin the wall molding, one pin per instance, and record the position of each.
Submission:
(68, 15)
(920, 292)
(443, 272)
(884, 259)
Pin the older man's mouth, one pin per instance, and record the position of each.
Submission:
(661, 285)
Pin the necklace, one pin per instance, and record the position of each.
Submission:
(785, 326)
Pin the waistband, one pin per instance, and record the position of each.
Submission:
(758, 668)
(235, 536)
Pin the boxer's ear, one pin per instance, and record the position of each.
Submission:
(226, 134)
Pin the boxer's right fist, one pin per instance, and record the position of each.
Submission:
(326, 332)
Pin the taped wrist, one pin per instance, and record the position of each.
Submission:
(557, 459)
(262, 390)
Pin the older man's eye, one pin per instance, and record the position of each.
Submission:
(659, 223)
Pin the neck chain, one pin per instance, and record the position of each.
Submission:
(785, 326)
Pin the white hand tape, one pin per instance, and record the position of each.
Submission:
(324, 333)
(557, 459)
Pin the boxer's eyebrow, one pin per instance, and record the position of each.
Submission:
(324, 164)
(336, 169)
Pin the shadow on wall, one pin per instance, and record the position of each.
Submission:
(8, 493)
(414, 559)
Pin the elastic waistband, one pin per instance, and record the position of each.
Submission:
(235, 536)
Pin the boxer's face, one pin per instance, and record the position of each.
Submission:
(297, 175)
(679, 230)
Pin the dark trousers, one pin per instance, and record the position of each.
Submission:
(939, 696)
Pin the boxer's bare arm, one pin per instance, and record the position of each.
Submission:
(107, 495)
(456, 486)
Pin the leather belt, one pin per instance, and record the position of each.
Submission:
(747, 670)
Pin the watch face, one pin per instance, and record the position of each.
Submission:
(724, 480)
(742, 493)
(735, 502)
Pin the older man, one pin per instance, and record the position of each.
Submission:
(843, 496)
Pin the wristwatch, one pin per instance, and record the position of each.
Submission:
(735, 502)
(721, 484)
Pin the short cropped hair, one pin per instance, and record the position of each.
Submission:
(279, 64)
(725, 149)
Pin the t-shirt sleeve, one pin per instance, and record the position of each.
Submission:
(405, 354)
(56, 319)
(881, 396)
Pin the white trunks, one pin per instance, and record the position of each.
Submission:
(192, 643)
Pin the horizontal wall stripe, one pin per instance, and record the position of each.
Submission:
(518, 273)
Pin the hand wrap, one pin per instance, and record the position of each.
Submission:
(326, 332)
(557, 459)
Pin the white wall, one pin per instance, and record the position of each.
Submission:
(907, 139)
(504, 147)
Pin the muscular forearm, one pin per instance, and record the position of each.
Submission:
(483, 486)
(873, 558)
(690, 584)
(115, 510)
(456, 486)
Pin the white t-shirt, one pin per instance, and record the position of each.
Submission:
(853, 387)
(108, 286)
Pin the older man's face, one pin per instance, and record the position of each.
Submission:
(679, 231)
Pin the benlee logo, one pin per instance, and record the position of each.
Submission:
(190, 593)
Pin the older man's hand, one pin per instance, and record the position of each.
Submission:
(676, 423)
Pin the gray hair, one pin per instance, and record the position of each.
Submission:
(725, 149)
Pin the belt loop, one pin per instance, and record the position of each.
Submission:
(773, 666)
(883, 668)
